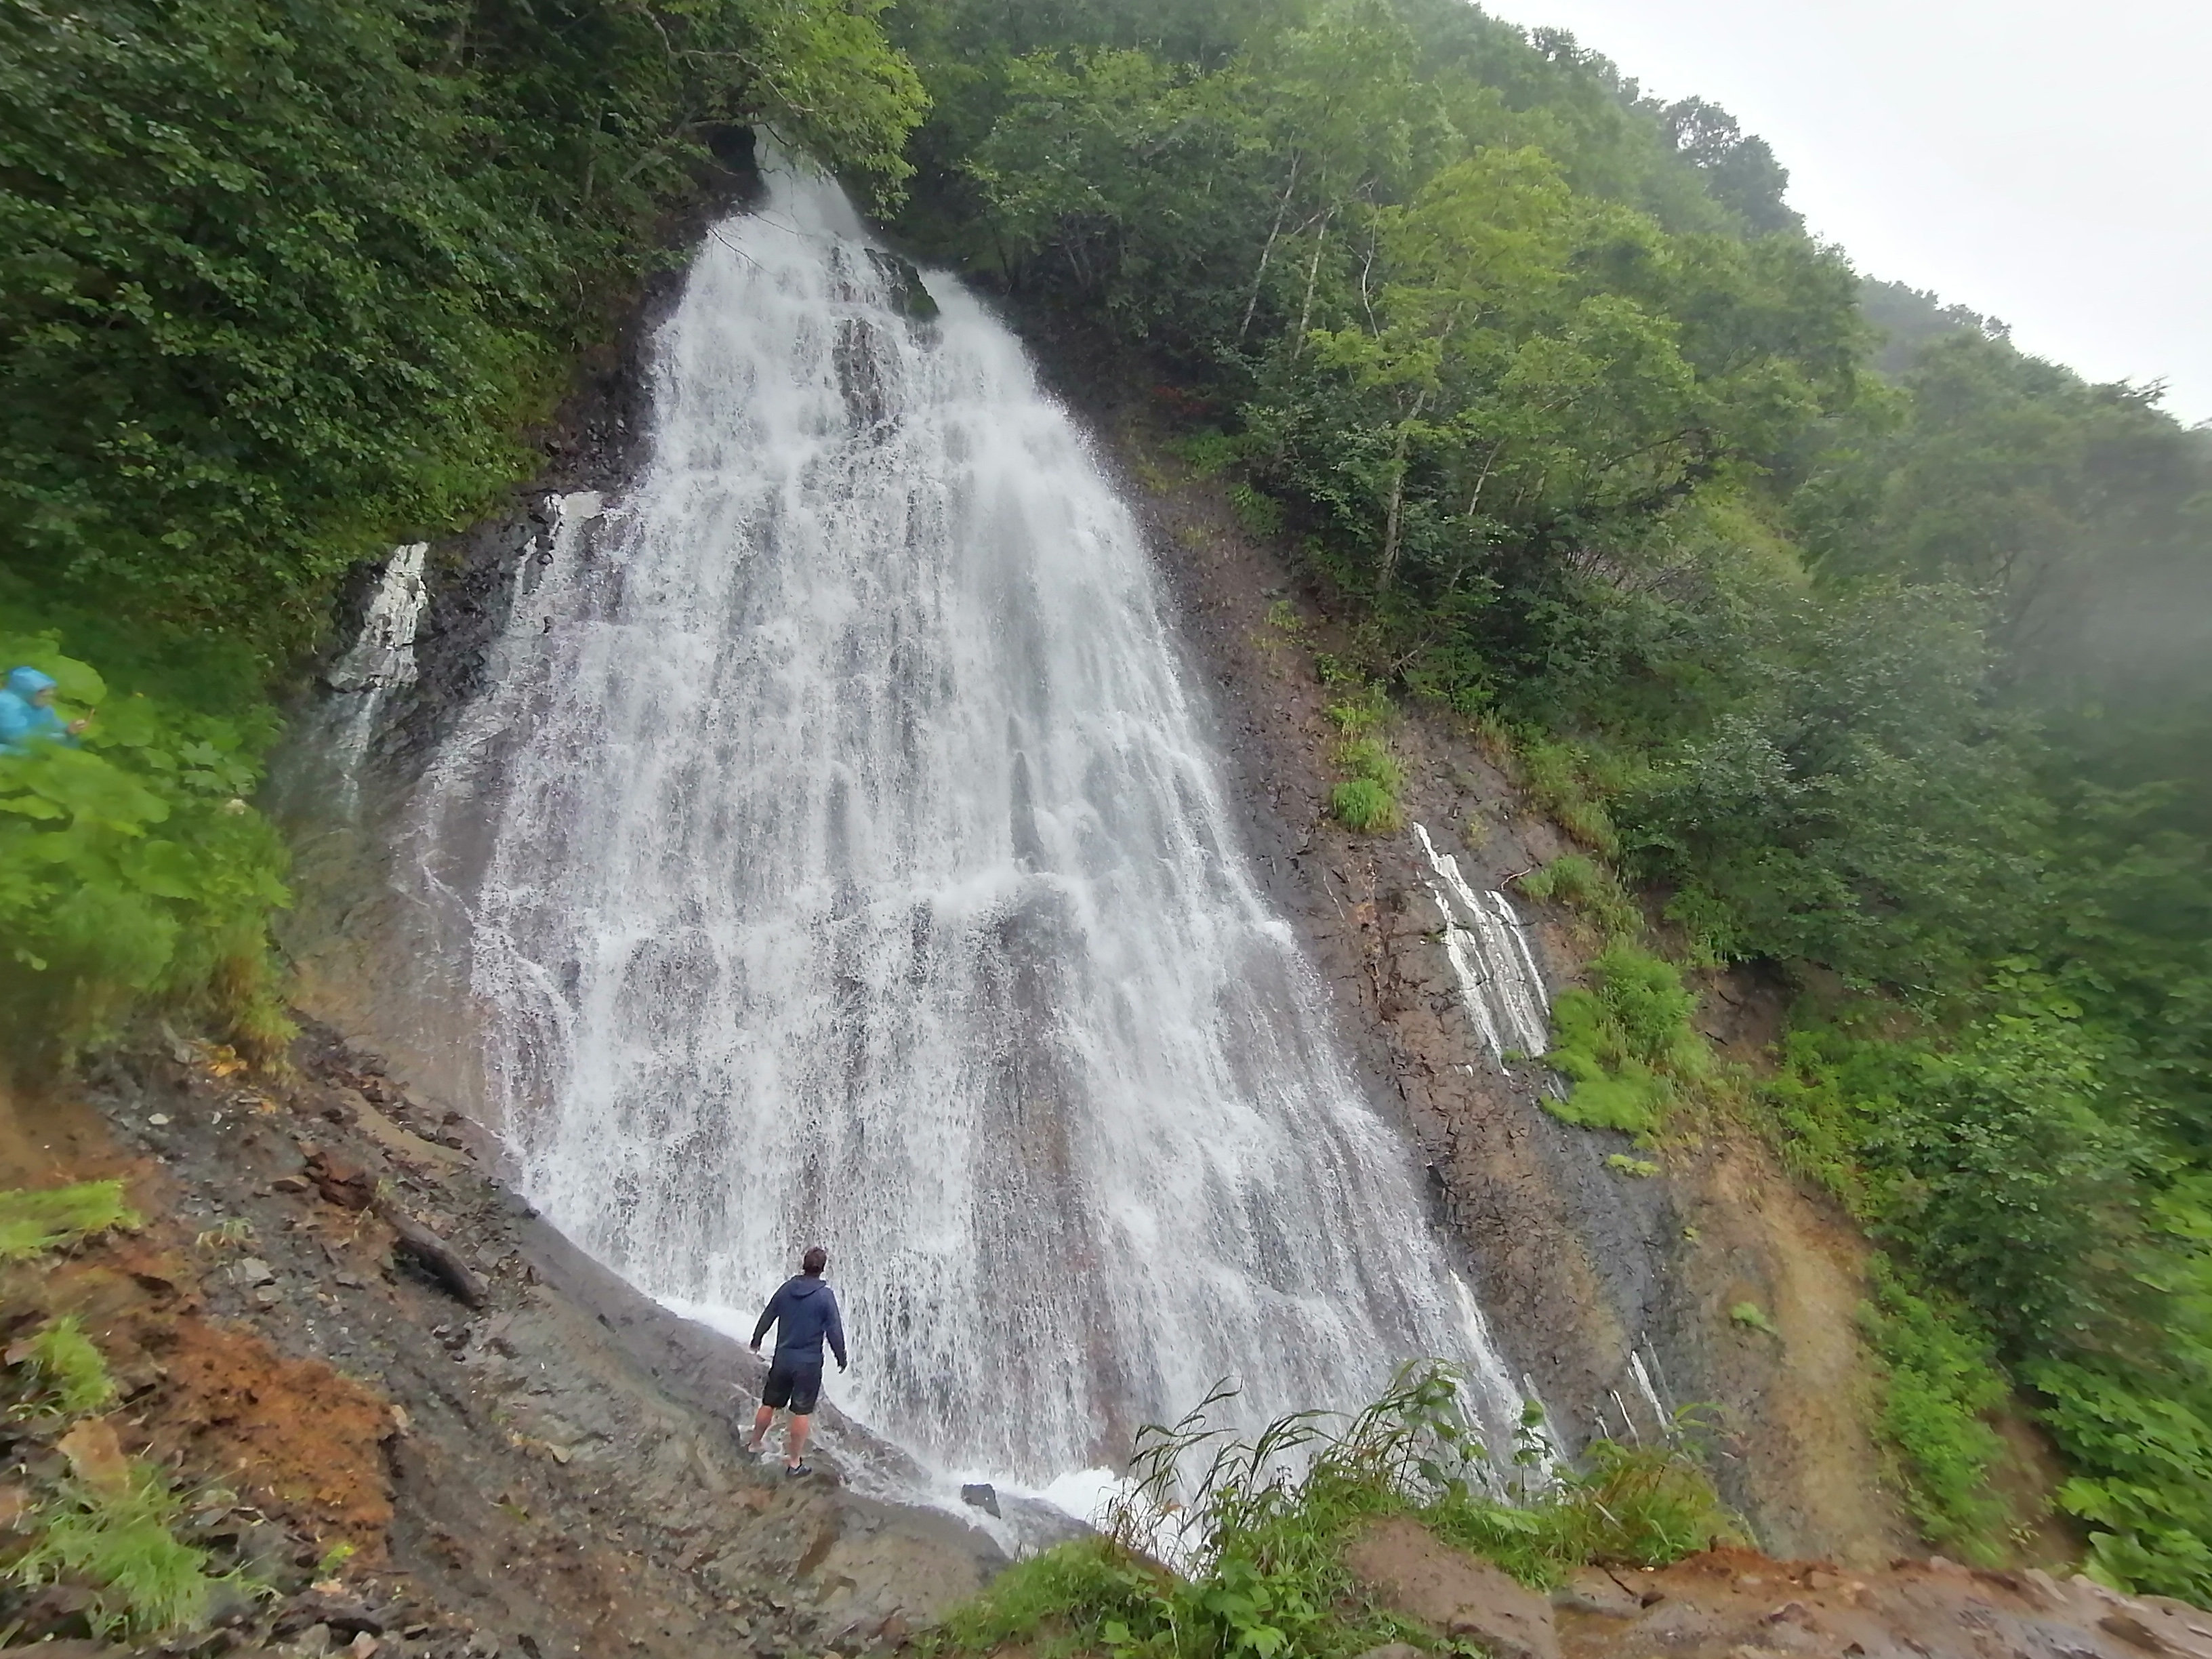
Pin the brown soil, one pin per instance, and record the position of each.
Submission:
(1737, 1604)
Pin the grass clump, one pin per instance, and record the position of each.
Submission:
(1939, 1382)
(1624, 1043)
(1752, 1317)
(67, 1376)
(1590, 891)
(33, 1223)
(1573, 782)
(121, 1542)
(1367, 801)
(1260, 1527)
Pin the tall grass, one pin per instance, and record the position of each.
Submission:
(1259, 1528)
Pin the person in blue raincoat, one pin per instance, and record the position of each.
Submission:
(27, 714)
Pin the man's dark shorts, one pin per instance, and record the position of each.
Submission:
(797, 1387)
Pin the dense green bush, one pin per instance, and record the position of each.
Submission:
(1625, 1042)
(133, 868)
(281, 283)
(1939, 1382)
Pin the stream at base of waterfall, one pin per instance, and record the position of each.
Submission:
(860, 872)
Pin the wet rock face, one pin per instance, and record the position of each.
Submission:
(557, 1470)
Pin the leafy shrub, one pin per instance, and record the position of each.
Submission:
(133, 868)
(1624, 1043)
(1207, 452)
(33, 1223)
(1260, 514)
(1939, 1380)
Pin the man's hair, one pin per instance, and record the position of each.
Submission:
(815, 1259)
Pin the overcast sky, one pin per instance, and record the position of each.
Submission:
(2047, 164)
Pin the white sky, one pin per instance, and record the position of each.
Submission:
(2047, 164)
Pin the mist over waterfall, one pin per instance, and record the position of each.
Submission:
(860, 873)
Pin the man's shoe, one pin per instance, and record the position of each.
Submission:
(793, 1471)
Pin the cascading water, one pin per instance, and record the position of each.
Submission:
(1487, 946)
(860, 872)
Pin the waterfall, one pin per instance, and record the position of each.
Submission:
(380, 658)
(1487, 946)
(860, 872)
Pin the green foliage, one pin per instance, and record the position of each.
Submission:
(1939, 1382)
(133, 868)
(1752, 1317)
(1364, 805)
(1262, 1528)
(33, 1223)
(1624, 1043)
(67, 1370)
(1367, 801)
(283, 282)
(122, 1543)
(1590, 890)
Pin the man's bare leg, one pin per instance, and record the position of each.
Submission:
(796, 1441)
(761, 1418)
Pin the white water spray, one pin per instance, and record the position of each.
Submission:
(861, 874)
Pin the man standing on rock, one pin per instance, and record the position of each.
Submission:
(803, 1313)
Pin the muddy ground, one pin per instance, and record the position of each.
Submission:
(556, 1470)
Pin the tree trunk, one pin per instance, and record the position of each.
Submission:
(1267, 252)
(1397, 495)
(1313, 275)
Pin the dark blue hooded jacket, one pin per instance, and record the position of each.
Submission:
(22, 722)
(803, 1313)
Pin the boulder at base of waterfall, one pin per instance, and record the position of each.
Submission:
(1417, 1576)
(980, 1495)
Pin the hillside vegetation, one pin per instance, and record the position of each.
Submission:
(1874, 656)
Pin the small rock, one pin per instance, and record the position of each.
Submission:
(159, 1120)
(343, 1184)
(1820, 1580)
(364, 1056)
(252, 1270)
(895, 1629)
(314, 1641)
(267, 1295)
(290, 1184)
(980, 1495)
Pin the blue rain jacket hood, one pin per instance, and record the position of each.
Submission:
(804, 1315)
(22, 722)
